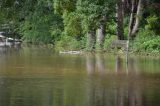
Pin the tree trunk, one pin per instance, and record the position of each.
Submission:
(135, 19)
(91, 39)
(120, 28)
(131, 21)
(101, 36)
(138, 18)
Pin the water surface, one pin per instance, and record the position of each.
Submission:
(36, 76)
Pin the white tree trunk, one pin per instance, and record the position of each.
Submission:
(138, 18)
(131, 20)
(101, 36)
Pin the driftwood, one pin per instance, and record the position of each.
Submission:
(70, 52)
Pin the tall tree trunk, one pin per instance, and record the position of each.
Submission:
(136, 14)
(101, 32)
(91, 39)
(120, 28)
(131, 24)
(131, 21)
(138, 18)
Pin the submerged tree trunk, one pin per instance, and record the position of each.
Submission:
(138, 18)
(101, 32)
(91, 39)
(120, 16)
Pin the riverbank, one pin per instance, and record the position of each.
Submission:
(115, 51)
(146, 43)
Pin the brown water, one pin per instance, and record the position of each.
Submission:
(35, 76)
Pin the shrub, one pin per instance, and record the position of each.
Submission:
(108, 40)
(146, 40)
(153, 24)
(70, 43)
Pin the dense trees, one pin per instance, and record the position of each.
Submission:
(85, 22)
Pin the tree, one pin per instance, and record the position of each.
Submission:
(94, 17)
(101, 32)
(135, 17)
(120, 16)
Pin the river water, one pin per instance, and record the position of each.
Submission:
(36, 76)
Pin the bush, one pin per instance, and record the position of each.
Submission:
(153, 24)
(146, 40)
(108, 40)
(70, 43)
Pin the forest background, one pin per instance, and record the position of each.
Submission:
(84, 24)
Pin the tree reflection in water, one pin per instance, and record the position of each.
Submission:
(107, 82)
(124, 87)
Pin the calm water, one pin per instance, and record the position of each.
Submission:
(35, 76)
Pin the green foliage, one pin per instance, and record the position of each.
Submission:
(146, 41)
(89, 14)
(38, 24)
(153, 23)
(93, 11)
(70, 43)
(111, 26)
(72, 24)
(55, 34)
(66, 23)
(62, 6)
(108, 39)
(35, 32)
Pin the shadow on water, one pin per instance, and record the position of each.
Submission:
(79, 80)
